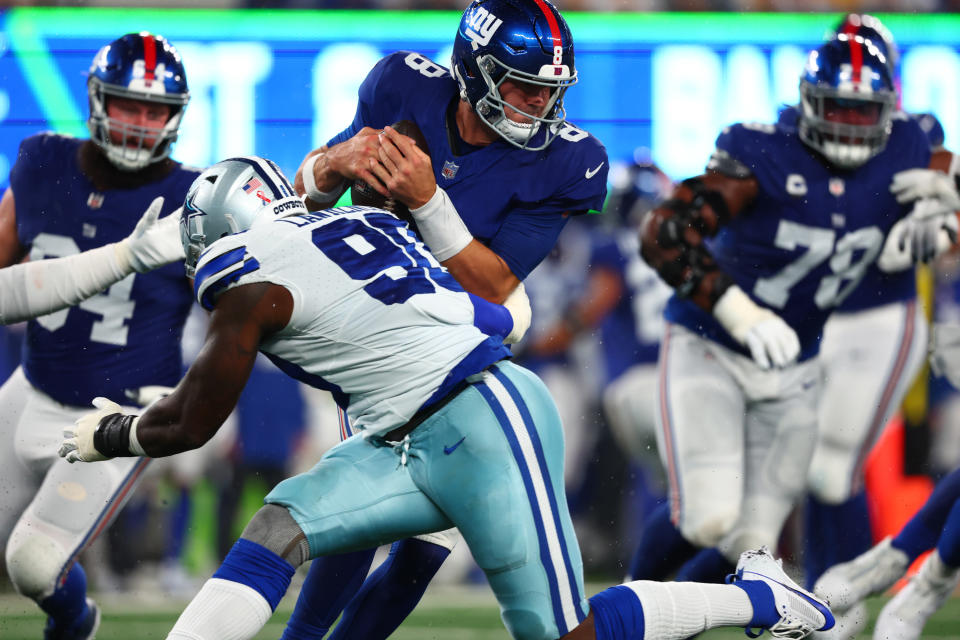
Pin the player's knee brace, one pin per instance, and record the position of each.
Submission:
(34, 562)
(274, 528)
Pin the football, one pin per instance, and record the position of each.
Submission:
(363, 194)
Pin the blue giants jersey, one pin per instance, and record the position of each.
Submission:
(512, 200)
(812, 233)
(631, 332)
(126, 337)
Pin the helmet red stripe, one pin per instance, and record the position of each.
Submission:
(552, 21)
(149, 56)
(856, 59)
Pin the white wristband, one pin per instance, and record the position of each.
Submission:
(132, 443)
(441, 227)
(310, 183)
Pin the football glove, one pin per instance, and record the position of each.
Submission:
(914, 184)
(153, 243)
(929, 230)
(100, 435)
(770, 340)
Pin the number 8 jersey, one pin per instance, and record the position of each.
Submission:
(129, 335)
(813, 232)
(376, 320)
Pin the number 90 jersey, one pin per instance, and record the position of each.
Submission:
(129, 335)
(376, 320)
(812, 233)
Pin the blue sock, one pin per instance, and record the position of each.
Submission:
(68, 603)
(662, 548)
(391, 592)
(707, 566)
(259, 568)
(949, 545)
(331, 583)
(835, 533)
(617, 614)
(179, 523)
(764, 605)
(923, 530)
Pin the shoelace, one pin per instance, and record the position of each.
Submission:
(403, 448)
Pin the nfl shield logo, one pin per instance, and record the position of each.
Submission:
(95, 200)
(837, 187)
(449, 170)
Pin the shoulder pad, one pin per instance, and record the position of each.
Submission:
(219, 267)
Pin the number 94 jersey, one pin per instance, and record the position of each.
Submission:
(376, 320)
(812, 233)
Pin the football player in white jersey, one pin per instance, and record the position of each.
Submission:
(452, 433)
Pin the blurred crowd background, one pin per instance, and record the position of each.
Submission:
(193, 506)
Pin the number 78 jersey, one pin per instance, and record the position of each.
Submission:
(812, 234)
(376, 320)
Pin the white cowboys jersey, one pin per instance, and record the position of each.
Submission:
(376, 320)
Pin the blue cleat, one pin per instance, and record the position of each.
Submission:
(83, 629)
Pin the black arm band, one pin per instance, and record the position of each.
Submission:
(702, 194)
(112, 435)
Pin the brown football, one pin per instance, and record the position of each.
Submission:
(362, 194)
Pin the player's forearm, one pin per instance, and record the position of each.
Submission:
(319, 181)
(482, 272)
(37, 288)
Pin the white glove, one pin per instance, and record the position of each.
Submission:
(929, 230)
(153, 243)
(78, 440)
(914, 184)
(518, 304)
(145, 396)
(945, 352)
(770, 340)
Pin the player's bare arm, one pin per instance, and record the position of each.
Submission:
(672, 234)
(332, 167)
(11, 251)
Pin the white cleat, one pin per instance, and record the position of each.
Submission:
(904, 617)
(870, 573)
(849, 624)
(800, 612)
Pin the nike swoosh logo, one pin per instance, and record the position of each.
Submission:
(592, 172)
(449, 450)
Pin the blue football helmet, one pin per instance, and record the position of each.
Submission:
(635, 188)
(525, 41)
(870, 28)
(143, 67)
(847, 101)
(229, 197)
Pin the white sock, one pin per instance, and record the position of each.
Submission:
(223, 610)
(677, 610)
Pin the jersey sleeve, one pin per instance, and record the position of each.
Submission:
(492, 319)
(735, 151)
(380, 97)
(525, 239)
(581, 173)
(222, 266)
(39, 159)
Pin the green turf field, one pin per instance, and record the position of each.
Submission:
(445, 614)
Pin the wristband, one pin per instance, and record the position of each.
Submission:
(441, 227)
(310, 183)
(112, 436)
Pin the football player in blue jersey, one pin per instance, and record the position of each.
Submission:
(68, 196)
(873, 347)
(782, 228)
(503, 172)
(450, 432)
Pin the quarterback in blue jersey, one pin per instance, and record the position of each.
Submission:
(778, 232)
(452, 433)
(69, 196)
(503, 171)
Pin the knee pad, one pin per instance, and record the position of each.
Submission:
(524, 624)
(447, 539)
(707, 531)
(34, 563)
(274, 528)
